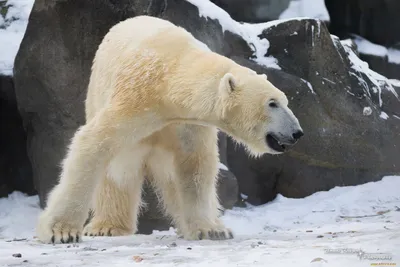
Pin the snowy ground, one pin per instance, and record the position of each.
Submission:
(285, 232)
(12, 30)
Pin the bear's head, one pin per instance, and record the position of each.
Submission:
(256, 113)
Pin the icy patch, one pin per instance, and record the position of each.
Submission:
(12, 30)
(249, 32)
(368, 48)
(285, 231)
(315, 9)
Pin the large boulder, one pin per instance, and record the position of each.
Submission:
(375, 20)
(363, 22)
(381, 59)
(52, 70)
(15, 167)
(253, 11)
(350, 116)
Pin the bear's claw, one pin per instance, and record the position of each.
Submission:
(98, 229)
(212, 234)
(63, 236)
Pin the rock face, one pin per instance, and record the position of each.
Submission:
(382, 65)
(375, 20)
(253, 11)
(342, 145)
(329, 92)
(52, 71)
(15, 167)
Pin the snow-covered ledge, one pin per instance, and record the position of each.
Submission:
(379, 81)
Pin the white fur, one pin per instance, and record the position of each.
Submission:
(155, 100)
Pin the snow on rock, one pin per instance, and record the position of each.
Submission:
(359, 66)
(394, 82)
(12, 30)
(223, 167)
(314, 9)
(309, 85)
(384, 116)
(284, 232)
(367, 111)
(366, 47)
(249, 32)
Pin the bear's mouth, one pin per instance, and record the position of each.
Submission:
(273, 143)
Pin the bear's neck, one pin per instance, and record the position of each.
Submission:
(195, 94)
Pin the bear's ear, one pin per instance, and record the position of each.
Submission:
(264, 76)
(227, 84)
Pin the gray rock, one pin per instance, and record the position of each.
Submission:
(253, 11)
(341, 145)
(382, 65)
(15, 167)
(375, 20)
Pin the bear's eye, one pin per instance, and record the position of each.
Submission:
(273, 104)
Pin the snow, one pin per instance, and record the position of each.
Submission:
(249, 32)
(383, 115)
(367, 111)
(222, 166)
(395, 82)
(12, 30)
(379, 81)
(368, 48)
(308, 85)
(284, 232)
(315, 9)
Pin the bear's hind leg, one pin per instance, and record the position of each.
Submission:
(89, 152)
(68, 202)
(117, 200)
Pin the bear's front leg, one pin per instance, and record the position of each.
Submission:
(68, 203)
(197, 174)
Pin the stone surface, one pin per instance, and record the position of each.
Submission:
(375, 20)
(341, 146)
(15, 167)
(253, 11)
(382, 66)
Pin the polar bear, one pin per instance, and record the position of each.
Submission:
(156, 99)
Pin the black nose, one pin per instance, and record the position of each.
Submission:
(297, 135)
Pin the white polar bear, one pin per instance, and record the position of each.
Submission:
(155, 100)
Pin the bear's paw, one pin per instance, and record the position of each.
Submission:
(58, 232)
(212, 234)
(104, 229)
